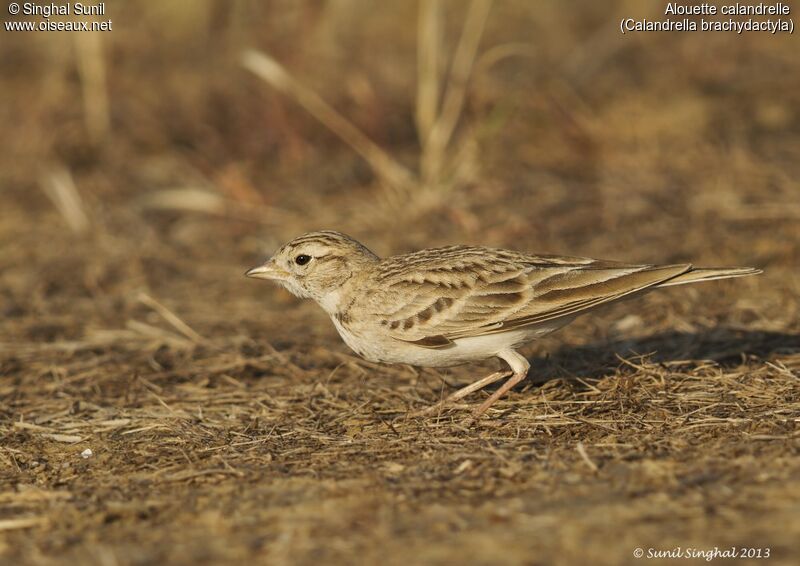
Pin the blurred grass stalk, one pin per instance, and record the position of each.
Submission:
(429, 43)
(436, 119)
(384, 165)
(92, 72)
(174, 320)
(60, 188)
(436, 141)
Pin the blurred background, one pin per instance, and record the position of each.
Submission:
(183, 146)
(146, 168)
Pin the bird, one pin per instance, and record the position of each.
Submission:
(458, 304)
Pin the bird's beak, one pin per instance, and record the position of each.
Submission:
(267, 271)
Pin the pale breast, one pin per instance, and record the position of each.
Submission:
(360, 343)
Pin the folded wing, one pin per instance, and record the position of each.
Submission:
(441, 300)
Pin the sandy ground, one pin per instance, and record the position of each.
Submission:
(228, 423)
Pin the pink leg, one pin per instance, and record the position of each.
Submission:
(463, 392)
(520, 367)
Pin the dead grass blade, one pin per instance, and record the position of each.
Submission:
(272, 72)
(429, 43)
(171, 318)
(21, 523)
(186, 199)
(455, 93)
(92, 71)
(495, 54)
(60, 188)
(585, 457)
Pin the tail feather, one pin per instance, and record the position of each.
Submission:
(698, 274)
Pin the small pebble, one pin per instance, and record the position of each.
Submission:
(87, 453)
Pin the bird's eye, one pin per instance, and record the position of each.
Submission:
(302, 259)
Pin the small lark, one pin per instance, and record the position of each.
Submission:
(458, 304)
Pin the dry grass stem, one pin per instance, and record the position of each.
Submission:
(60, 187)
(497, 53)
(585, 457)
(381, 162)
(456, 89)
(21, 523)
(92, 70)
(429, 43)
(196, 200)
(171, 318)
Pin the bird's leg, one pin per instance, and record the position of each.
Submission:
(463, 392)
(519, 366)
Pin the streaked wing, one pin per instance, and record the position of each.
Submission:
(435, 296)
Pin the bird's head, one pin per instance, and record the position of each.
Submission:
(316, 264)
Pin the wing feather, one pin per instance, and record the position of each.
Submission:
(435, 296)
(572, 301)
